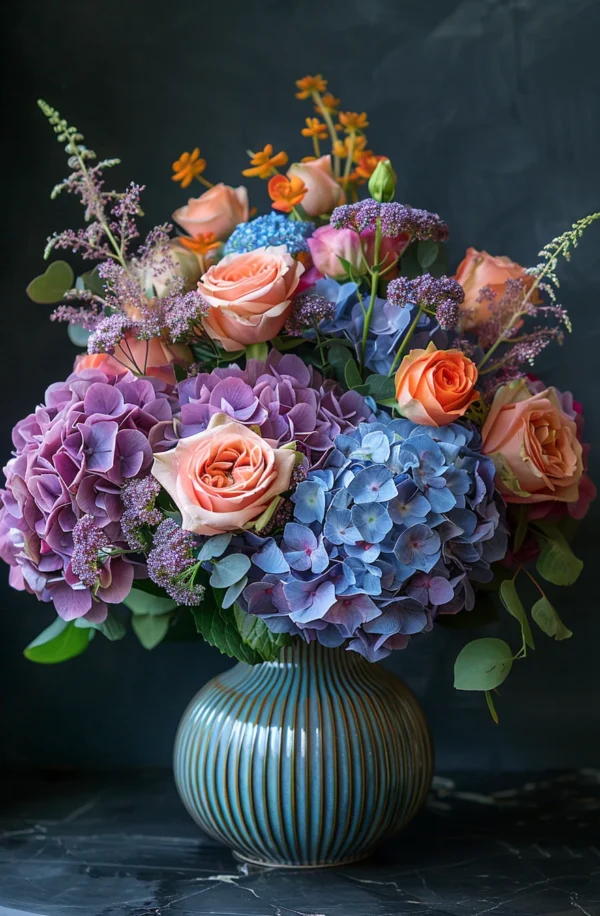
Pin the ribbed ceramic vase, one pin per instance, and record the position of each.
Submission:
(310, 760)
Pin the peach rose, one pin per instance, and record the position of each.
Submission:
(479, 269)
(225, 477)
(534, 446)
(324, 193)
(154, 358)
(218, 210)
(249, 295)
(435, 387)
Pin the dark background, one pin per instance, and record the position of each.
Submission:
(489, 111)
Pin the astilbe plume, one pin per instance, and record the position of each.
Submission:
(391, 531)
(172, 563)
(395, 219)
(440, 297)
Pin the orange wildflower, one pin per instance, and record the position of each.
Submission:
(342, 148)
(309, 84)
(314, 128)
(330, 103)
(366, 165)
(188, 167)
(265, 163)
(200, 244)
(286, 192)
(352, 120)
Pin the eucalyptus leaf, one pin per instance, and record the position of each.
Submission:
(149, 629)
(352, 375)
(291, 343)
(409, 263)
(256, 634)
(59, 642)
(511, 601)
(522, 525)
(51, 286)
(229, 570)
(93, 282)
(78, 335)
(556, 561)
(440, 265)
(146, 605)
(547, 619)
(492, 708)
(427, 251)
(381, 387)
(482, 664)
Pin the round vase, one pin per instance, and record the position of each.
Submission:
(310, 760)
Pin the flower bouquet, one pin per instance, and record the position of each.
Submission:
(294, 429)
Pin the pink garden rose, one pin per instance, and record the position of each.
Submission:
(218, 210)
(324, 193)
(534, 445)
(327, 245)
(249, 295)
(224, 477)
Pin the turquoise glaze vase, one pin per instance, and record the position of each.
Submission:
(310, 760)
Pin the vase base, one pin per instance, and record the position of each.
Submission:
(263, 863)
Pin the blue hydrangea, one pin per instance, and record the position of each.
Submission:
(389, 324)
(391, 531)
(272, 229)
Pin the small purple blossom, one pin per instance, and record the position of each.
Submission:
(396, 219)
(172, 563)
(307, 311)
(439, 296)
(139, 497)
(88, 541)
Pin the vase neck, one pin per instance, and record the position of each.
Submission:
(313, 654)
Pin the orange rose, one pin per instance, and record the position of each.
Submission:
(324, 193)
(218, 210)
(435, 387)
(249, 295)
(479, 269)
(154, 357)
(225, 477)
(534, 446)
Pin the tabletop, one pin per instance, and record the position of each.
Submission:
(121, 844)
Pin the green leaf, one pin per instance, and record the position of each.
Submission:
(409, 263)
(150, 630)
(180, 372)
(77, 335)
(490, 702)
(219, 629)
(440, 265)
(427, 251)
(352, 375)
(257, 351)
(547, 619)
(57, 643)
(338, 357)
(482, 664)
(381, 387)
(147, 605)
(51, 286)
(93, 282)
(256, 634)
(522, 516)
(112, 628)
(556, 563)
(506, 474)
(290, 343)
(514, 606)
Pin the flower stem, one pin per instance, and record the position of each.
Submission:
(404, 345)
(204, 181)
(316, 146)
(374, 285)
(330, 127)
(349, 159)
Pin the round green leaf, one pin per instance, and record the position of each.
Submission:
(59, 642)
(547, 619)
(51, 286)
(150, 630)
(427, 253)
(482, 664)
(140, 602)
(556, 563)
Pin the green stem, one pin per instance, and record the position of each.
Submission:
(404, 345)
(99, 213)
(349, 159)
(374, 285)
(330, 127)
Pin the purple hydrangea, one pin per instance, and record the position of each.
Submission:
(391, 531)
(62, 503)
(286, 399)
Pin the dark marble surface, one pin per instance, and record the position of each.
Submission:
(121, 845)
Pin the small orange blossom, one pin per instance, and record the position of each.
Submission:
(309, 84)
(353, 120)
(265, 163)
(200, 244)
(286, 192)
(188, 167)
(330, 103)
(314, 128)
